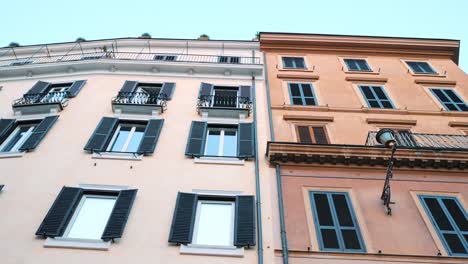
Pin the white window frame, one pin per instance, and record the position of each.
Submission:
(221, 140)
(197, 221)
(127, 141)
(20, 141)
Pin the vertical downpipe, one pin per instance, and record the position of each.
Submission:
(279, 185)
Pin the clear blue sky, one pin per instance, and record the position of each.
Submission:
(37, 22)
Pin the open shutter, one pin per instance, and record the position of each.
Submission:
(151, 135)
(75, 88)
(60, 213)
(6, 127)
(196, 140)
(319, 134)
(129, 87)
(245, 142)
(167, 90)
(38, 133)
(205, 89)
(1, 187)
(244, 225)
(245, 93)
(184, 218)
(38, 88)
(101, 134)
(119, 215)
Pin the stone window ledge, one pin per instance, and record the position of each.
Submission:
(220, 160)
(114, 155)
(16, 154)
(227, 251)
(62, 242)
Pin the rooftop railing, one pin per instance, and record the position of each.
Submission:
(42, 98)
(422, 140)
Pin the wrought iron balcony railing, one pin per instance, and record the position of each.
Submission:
(422, 140)
(140, 98)
(136, 56)
(226, 102)
(42, 98)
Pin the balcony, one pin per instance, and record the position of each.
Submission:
(224, 105)
(139, 103)
(41, 103)
(424, 141)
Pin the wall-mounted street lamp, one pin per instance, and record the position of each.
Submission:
(386, 137)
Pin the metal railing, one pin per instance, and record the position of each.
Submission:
(140, 98)
(42, 98)
(422, 140)
(156, 57)
(222, 101)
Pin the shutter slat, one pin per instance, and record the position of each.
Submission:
(320, 136)
(196, 140)
(205, 89)
(304, 135)
(245, 144)
(59, 214)
(6, 127)
(39, 87)
(244, 225)
(75, 88)
(119, 215)
(101, 134)
(150, 136)
(129, 87)
(183, 219)
(38, 133)
(167, 90)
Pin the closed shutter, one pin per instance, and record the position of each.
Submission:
(102, 134)
(38, 88)
(245, 143)
(205, 89)
(151, 135)
(319, 135)
(6, 127)
(129, 87)
(183, 219)
(304, 135)
(196, 140)
(119, 216)
(60, 213)
(38, 133)
(75, 88)
(246, 93)
(244, 225)
(167, 90)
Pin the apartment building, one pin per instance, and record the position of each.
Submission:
(132, 150)
(341, 197)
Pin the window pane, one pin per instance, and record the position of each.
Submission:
(297, 101)
(323, 209)
(451, 106)
(350, 239)
(453, 96)
(454, 243)
(299, 62)
(440, 95)
(414, 66)
(287, 62)
(426, 67)
(363, 65)
(215, 225)
(386, 104)
(309, 101)
(456, 213)
(351, 64)
(307, 90)
(92, 217)
(367, 92)
(294, 87)
(438, 214)
(15, 138)
(135, 140)
(380, 93)
(463, 107)
(212, 145)
(230, 143)
(374, 104)
(342, 210)
(121, 138)
(329, 238)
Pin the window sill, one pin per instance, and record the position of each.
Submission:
(227, 251)
(16, 154)
(219, 160)
(428, 74)
(362, 72)
(295, 69)
(62, 242)
(115, 155)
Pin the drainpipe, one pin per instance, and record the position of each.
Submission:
(257, 175)
(279, 185)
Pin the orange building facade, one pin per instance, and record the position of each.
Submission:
(329, 95)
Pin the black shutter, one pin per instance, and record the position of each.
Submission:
(151, 135)
(59, 214)
(184, 218)
(246, 93)
(1, 187)
(75, 88)
(39, 87)
(129, 87)
(304, 135)
(319, 134)
(167, 90)
(119, 216)
(245, 140)
(196, 140)
(38, 133)
(102, 134)
(244, 225)
(6, 127)
(205, 89)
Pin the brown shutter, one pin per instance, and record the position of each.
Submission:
(304, 135)
(319, 135)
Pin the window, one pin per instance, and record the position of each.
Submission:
(16, 139)
(165, 57)
(57, 92)
(225, 96)
(376, 97)
(420, 67)
(357, 65)
(449, 99)
(312, 135)
(221, 141)
(450, 221)
(127, 138)
(302, 94)
(335, 223)
(293, 62)
(214, 224)
(229, 59)
(146, 93)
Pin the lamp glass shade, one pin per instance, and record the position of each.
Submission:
(386, 137)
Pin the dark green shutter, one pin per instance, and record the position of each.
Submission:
(245, 142)
(119, 216)
(196, 140)
(319, 134)
(304, 135)
(129, 87)
(38, 88)
(205, 89)
(59, 214)
(75, 88)
(183, 219)
(151, 135)
(245, 93)
(244, 225)
(167, 90)
(6, 127)
(38, 133)
(102, 134)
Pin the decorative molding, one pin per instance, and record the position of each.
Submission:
(458, 124)
(308, 118)
(365, 79)
(391, 121)
(435, 82)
